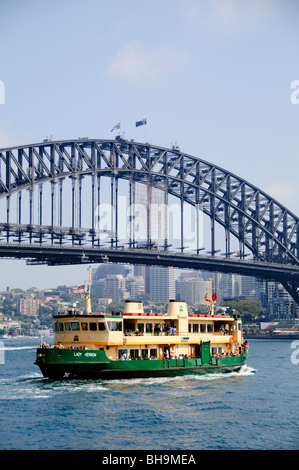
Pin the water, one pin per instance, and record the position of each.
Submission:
(254, 409)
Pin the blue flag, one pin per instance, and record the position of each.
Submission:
(141, 123)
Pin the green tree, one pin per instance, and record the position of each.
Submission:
(249, 309)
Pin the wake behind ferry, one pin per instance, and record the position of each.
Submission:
(136, 344)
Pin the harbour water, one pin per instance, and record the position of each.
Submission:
(254, 409)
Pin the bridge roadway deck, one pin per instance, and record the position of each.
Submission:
(67, 255)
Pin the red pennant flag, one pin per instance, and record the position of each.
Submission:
(214, 297)
(207, 298)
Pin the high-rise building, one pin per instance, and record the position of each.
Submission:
(162, 284)
(136, 287)
(280, 303)
(106, 269)
(97, 288)
(250, 287)
(115, 288)
(193, 291)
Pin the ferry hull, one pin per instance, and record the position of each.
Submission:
(58, 364)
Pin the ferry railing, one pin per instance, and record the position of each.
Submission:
(177, 333)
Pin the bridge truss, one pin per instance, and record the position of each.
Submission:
(51, 193)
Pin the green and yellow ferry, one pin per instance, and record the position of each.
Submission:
(135, 344)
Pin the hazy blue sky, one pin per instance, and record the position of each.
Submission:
(212, 75)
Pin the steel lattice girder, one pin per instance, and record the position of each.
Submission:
(268, 229)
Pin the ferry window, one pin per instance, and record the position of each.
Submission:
(75, 326)
(213, 350)
(202, 327)
(101, 326)
(121, 352)
(115, 325)
(220, 349)
(140, 327)
(144, 352)
(67, 326)
(84, 326)
(61, 327)
(56, 326)
(189, 327)
(239, 326)
(134, 353)
(195, 327)
(210, 327)
(153, 352)
(93, 326)
(149, 327)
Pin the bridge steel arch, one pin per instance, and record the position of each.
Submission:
(264, 228)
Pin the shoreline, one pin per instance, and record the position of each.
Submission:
(280, 336)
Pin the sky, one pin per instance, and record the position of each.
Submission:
(220, 78)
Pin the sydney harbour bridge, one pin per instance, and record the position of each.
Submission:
(79, 201)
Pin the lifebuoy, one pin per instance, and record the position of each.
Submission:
(125, 341)
(231, 339)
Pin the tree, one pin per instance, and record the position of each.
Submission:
(249, 309)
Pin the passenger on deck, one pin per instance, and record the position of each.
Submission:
(157, 329)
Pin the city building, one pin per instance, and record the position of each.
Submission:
(162, 284)
(192, 290)
(115, 287)
(280, 303)
(28, 305)
(136, 286)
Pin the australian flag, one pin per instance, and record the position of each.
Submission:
(141, 123)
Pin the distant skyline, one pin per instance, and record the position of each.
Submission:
(213, 76)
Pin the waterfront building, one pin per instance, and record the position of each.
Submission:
(280, 303)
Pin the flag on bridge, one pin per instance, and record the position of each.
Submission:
(143, 122)
(79, 289)
(117, 126)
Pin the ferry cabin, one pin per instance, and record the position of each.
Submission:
(135, 334)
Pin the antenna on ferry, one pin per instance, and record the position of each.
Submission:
(88, 297)
(212, 298)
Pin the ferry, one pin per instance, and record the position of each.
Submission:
(136, 344)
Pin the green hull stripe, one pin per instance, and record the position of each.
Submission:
(58, 362)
